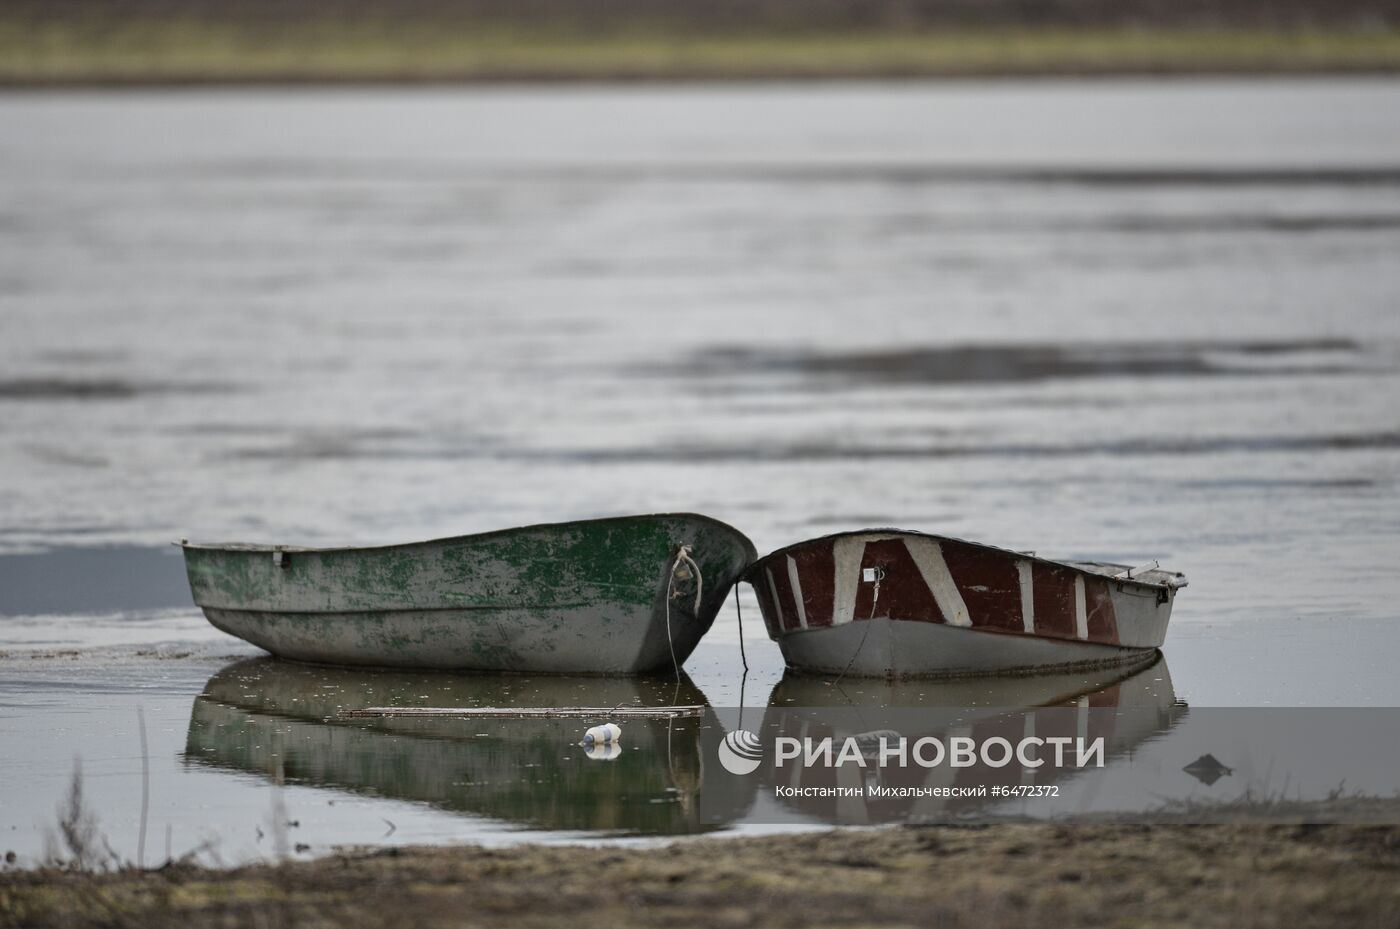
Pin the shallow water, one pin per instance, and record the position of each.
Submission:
(1114, 320)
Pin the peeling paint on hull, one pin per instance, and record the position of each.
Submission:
(891, 603)
(587, 597)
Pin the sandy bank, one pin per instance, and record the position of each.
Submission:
(1004, 875)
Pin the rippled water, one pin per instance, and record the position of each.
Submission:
(1110, 320)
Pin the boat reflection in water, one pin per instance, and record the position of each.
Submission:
(281, 719)
(1127, 707)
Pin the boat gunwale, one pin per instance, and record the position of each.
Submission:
(267, 548)
(1176, 580)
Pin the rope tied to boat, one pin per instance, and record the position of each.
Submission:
(874, 604)
(740, 611)
(744, 680)
(682, 558)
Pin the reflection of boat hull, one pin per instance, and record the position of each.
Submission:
(1125, 711)
(888, 603)
(599, 596)
(281, 720)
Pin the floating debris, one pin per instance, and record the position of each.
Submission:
(606, 734)
(1207, 769)
(529, 712)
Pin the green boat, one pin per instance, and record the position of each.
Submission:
(625, 595)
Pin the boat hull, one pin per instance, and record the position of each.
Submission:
(591, 597)
(885, 603)
(883, 647)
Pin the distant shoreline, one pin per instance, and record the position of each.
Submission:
(161, 54)
(196, 82)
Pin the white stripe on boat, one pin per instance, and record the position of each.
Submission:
(797, 592)
(847, 552)
(1027, 732)
(941, 777)
(850, 795)
(1025, 569)
(795, 778)
(777, 607)
(1081, 612)
(929, 558)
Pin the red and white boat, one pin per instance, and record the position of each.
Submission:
(892, 603)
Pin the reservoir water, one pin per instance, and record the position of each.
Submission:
(1108, 320)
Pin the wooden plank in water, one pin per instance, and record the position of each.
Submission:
(530, 712)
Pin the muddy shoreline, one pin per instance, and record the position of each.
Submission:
(987, 876)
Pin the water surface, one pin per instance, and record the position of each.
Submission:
(1118, 320)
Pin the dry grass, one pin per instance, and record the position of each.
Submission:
(989, 876)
